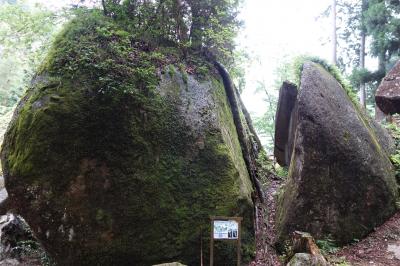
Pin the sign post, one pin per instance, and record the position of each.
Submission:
(227, 229)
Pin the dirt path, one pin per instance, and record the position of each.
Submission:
(380, 248)
(265, 232)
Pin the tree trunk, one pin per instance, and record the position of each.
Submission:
(249, 151)
(363, 96)
(105, 12)
(382, 62)
(181, 29)
(334, 33)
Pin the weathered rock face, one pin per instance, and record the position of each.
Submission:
(341, 182)
(387, 96)
(124, 169)
(283, 129)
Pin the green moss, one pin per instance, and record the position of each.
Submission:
(299, 61)
(346, 136)
(95, 137)
(171, 71)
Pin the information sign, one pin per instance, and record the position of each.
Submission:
(226, 229)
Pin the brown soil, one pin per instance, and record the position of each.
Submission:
(380, 248)
(266, 254)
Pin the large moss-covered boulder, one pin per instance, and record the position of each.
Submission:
(117, 156)
(341, 182)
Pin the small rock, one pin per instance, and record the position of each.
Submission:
(300, 259)
(305, 259)
(388, 93)
(17, 242)
(9, 262)
(170, 264)
(395, 249)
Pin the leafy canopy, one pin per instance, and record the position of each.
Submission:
(208, 26)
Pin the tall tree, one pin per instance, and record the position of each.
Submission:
(25, 36)
(209, 25)
(382, 22)
(334, 33)
(362, 53)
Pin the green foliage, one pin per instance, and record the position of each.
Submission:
(383, 25)
(31, 248)
(379, 21)
(343, 262)
(327, 246)
(85, 45)
(333, 70)
(395, 158)
(25, 36)
(266, 166)
(265, 124)
(189, 24)
(348, 31)
(281, 171)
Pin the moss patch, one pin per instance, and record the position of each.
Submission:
(332, 69)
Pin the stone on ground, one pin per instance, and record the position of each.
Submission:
(387, 95)
(305, 259)
(170, 264)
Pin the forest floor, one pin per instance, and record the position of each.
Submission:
(265, 224)
(380, 248)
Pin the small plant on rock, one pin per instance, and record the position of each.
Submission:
(395, 158)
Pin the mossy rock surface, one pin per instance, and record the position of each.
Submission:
(116, 157)
(341, 182)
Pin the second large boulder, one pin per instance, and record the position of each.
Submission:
(341, 182)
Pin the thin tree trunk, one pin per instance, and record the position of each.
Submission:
(382, 62)
(362, 66)
(363, 95)
(334, 33)
(105, 12)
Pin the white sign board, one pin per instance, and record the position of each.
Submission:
(226, 229)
